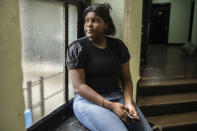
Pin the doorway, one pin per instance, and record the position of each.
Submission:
(165, 28)
(159, 25)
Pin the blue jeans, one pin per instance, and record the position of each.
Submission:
(97, 118)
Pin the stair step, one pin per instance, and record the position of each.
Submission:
(168, 99)
(168, 104)
(150, 90)
(155, 83)
(154, 110)
(173, 121)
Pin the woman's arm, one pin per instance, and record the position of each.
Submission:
(127, 86)
(78, 80)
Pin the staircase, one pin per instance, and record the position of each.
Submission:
(169, 104)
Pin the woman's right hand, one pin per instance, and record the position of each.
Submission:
(119, 109)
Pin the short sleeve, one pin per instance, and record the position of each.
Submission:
(75, 56)
(124, 53)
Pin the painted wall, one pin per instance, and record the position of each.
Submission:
(129, 30)
(179, 20)
(117, 14)
(11, 93)
(194, 31)
(132, 36)
(160, 1)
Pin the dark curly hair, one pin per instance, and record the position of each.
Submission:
(103, 11)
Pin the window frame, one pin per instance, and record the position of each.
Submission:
(81, 5)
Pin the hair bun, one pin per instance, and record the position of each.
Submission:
(107, 5)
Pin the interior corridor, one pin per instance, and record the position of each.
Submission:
(169, 61)
(167, 93)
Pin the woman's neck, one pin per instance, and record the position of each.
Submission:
(100, 43)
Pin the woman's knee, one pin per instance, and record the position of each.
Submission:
(95, 117)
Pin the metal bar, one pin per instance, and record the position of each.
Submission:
(35, 83)
(52, 75)
(36, 105)
(42, 96)
(54, 94)
(29, 96)
(66, 46)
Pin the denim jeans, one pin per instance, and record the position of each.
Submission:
(97, 118)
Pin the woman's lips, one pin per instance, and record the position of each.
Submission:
(90, 31)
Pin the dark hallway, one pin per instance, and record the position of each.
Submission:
(167, 91)
(169, 61)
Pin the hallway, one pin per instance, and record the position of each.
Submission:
(167, 93)
(169, 61)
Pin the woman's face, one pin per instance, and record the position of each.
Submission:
(94, 26)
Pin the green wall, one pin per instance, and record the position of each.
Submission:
(11, 93)
(179, 20)
(117, 14)
(132, 37)
(194, 31)
(160, 1)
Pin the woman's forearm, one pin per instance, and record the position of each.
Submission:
(127, 83)
(90, 94)
(128, 93)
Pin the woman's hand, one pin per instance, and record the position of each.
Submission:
(119, 109)
(132, 111)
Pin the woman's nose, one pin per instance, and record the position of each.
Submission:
(90, 23)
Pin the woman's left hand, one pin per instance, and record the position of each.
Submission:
(132, 110)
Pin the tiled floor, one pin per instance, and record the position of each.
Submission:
(169, 61)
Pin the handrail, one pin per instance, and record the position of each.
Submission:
(36, 105)
(35, 83)
(41, 103)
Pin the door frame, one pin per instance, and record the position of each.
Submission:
(81, 5)
(163, 4)
(146, 15)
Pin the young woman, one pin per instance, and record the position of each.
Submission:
(96, 64)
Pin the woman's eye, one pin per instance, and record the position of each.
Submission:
(86, 21)
(96, 21)
(93, 21)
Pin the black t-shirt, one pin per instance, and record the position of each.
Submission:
(102, 66)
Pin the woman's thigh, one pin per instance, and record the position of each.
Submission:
(96, 118)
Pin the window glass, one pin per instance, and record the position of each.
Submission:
(72, 35)
(43, 55)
